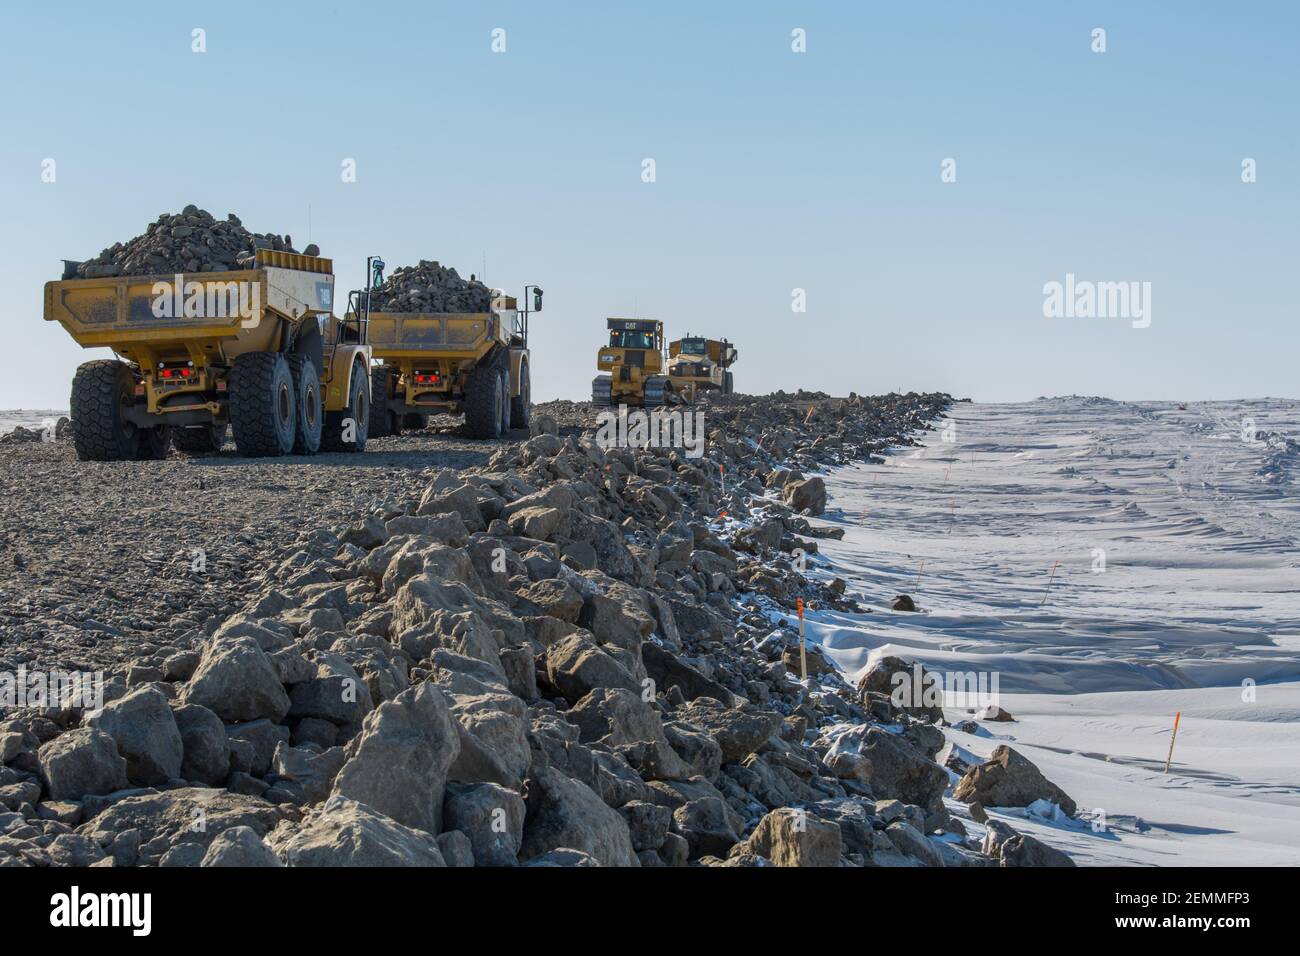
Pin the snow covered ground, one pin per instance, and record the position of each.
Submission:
(1175, 536)
(28, 418)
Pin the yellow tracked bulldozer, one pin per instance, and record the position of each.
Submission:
(697, 364)
(447, 362)
(633, 363)
(257, 351)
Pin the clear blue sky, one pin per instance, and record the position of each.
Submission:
(775, 171)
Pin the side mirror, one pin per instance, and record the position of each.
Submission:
(537, 300)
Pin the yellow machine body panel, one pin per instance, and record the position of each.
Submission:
(195, 324)
(432, 353)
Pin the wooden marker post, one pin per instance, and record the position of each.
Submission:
(1172, 737)
(917, 586)
(1049, 583)
(803, 655)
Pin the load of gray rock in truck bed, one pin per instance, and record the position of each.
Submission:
(431, 287)
(188, 241)
(565, 657)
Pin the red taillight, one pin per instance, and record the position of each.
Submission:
(423, 378)
(166, 373)
(186, 372)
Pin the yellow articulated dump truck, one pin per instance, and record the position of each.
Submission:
(633, 366)
(254, 350)
(451, 362)
(697, 364)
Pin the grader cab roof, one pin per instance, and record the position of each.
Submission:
(634, 325)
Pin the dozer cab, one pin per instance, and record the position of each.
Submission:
(697, 364)
(634, 365)
(256, 351)
(449, 363)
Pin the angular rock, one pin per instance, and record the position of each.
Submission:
(398, 764)
(142, 725)
(1008, 779)
(237, 681)
(791, 837)
(206, 747)
(81, 762)
(240, 846)
(492, 817)
(565, 814)
(343, 832)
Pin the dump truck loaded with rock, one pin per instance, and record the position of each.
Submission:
(217, 329)
(239, 335)
(447, 346)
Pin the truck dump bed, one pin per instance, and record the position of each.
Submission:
(422, 334)
(129, 313)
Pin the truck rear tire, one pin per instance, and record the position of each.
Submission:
(310, 412)
(199, 439)
(521, 406)
(102, 391)
(505, 400)
(382, 420)
(155, 443)
(263, 410)
(483, 401)
(348, 429)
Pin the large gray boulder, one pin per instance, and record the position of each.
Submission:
(790, 837)
(240, 846)
(206, 746)
(81, 762)
(398, 764)
(576, 666)
(343, 832)
(492, 817)
(808, 495)
(739, 731)
(1008, 779)
(236, 680)
(897, 769)
(142, 725)
(564, 813)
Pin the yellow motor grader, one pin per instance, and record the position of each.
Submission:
(256, 350)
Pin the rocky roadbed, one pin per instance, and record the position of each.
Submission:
(460, 653)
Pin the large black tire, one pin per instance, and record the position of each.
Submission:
(263, 409)
(348, 429)
(102, 391)
(199, 439)
(310, 409)
(483, 402)
(382, 420)
(155, 443)
(601, 389)
(521, 405)
(505, 398)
